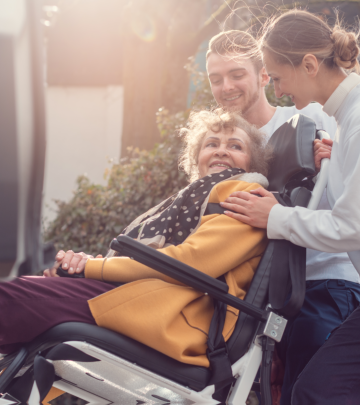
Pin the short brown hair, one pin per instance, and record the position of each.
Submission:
(296, 33)
(235, 42)
(217, 121)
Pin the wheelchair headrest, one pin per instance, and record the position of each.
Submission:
(293, 145)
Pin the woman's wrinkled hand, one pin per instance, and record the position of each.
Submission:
(70, 261)
(250, 208)
(322, 150)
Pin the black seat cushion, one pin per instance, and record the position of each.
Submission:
(187, 375)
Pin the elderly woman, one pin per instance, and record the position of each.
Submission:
(223, 154)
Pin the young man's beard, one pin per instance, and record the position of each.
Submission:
(252, 101)
(254, 97)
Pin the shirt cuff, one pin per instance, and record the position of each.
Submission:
(93, 269)
(278, 222)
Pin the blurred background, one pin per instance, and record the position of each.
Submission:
(112, 64)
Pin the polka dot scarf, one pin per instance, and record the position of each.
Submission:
(175, 219)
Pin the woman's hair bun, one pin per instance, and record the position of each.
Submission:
(346, 49)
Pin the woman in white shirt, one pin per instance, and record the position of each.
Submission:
(307, 60)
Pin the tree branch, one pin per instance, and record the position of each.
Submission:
(283, 7)
(211, 26)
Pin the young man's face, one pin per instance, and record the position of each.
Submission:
(234, 81)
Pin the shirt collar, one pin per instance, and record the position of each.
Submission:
(341, 92)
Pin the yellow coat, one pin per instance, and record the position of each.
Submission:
(161, 312)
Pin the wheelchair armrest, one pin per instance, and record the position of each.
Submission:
(182, 272)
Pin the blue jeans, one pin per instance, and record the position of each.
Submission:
(327, 304)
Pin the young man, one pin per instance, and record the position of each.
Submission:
(238, 79)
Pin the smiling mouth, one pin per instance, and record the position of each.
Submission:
(232, 98)
(226, 166)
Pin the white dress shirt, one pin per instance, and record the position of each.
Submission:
(337, 230)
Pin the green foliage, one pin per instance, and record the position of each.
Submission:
(270, 94)
(96, 214)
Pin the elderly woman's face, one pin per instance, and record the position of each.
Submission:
(223, 150)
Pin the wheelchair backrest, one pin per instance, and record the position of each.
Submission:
(292, 161)
(293, 145)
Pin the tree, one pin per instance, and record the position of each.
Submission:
(158, 39)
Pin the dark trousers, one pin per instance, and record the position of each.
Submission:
(31, 305)
(332, 377)
(327, 304)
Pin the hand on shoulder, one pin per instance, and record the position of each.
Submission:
(252, 208)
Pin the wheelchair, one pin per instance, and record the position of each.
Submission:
(103, 367)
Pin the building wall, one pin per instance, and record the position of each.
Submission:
(83, 133)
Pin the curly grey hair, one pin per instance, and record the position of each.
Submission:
(220, 120)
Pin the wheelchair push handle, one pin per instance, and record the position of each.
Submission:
(322, 177)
